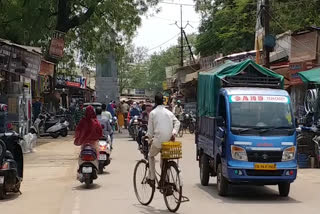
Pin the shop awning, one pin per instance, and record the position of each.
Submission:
(310, 76)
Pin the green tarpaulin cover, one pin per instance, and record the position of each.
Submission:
(310, 76)
(209, 83)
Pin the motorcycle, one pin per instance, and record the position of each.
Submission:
(134, 127)
(66, 114)
(142, 140)
(114, 123)
(188, 121)
(182, 126)
(11, 159)
(88, 165)
(46, 125)
(192, 123)
(104, 153)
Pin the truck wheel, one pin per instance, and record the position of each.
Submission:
(222, 183)
(284, 189)
(204, 170)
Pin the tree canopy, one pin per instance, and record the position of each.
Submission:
(140, 70)
(228, 26)
(93, 26)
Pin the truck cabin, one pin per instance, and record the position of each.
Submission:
(255, 111)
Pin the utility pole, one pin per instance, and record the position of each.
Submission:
(190, 49)
(267, 31)
(181, 37)
(182, 34)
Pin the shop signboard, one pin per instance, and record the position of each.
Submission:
(140, 92)
(46, 68)
(72, 81)
(57, 45)
(295, 68)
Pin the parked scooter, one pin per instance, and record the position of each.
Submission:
(88, 165)
(134, 127)
(66, 114)
(46, 125)
(104, 153)
(11, 158)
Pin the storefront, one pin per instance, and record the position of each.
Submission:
(73, 89)
(19, 67)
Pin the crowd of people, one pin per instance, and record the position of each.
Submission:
(124, 111)
(162, 123)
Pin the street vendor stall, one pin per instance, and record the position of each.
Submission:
(308, 140)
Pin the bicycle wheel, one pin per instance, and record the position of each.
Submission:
(172, 190)
(144, 192)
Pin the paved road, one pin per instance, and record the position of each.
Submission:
(50, 187)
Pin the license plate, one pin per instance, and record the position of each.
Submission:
(1, 179)
(265, 166)
(102, 157)
(86, 169)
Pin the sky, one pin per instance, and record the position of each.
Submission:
(158, 31)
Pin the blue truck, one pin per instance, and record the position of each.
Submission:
(245, 133)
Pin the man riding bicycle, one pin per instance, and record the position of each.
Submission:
(162, 127)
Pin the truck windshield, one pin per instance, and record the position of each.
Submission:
(261, 115)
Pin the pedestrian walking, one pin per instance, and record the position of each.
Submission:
(120, 117)
(125, 110)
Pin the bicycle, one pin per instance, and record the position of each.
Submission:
(169, 182)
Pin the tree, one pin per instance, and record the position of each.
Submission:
(228, 26)
(294, 15)
(93, 26)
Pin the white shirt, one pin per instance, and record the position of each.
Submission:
(162, 125)
(107, 115)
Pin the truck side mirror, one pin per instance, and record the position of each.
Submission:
(220, 121)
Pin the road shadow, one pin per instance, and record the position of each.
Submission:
(10, 197)
(83, 187)
(105, 173)
(151, 210)
(248, 194)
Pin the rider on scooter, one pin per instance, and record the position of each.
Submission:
(88, 131)
(134, 112)
(105, 124)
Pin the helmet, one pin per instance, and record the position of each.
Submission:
(179, 102)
